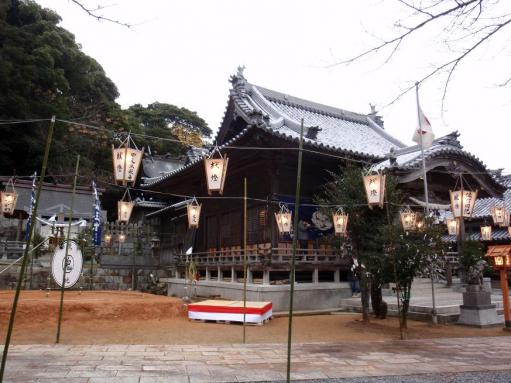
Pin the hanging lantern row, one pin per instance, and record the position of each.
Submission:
(375, 189)
(9, 198)
(486, 233)
(126, 160)
(340, 220)
(462, 203)
(125, 207)
(193, 209)
(283, 218)
(408, 219)
(452, 226)
(216, 169)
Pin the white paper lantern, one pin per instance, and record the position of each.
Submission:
(499, 214)
(375, 189)
(408, 219)
(126, 162)
(463, 207)
(8, 198)
(193, 209)
(452, 226)
(486, 233)
(125, 207)
(340, 220)
(216, 170)
(283, 219)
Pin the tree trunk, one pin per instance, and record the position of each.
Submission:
(364, 296)
(376, 300)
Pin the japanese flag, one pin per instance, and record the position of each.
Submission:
(424, 129)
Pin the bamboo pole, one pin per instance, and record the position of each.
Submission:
(25, 255)
(245, 261)
(295, 239)
(434, 318)
(64, 267)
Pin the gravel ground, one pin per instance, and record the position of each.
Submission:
(465, 377)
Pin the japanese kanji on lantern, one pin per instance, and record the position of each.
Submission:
(499, 215)
(486, 233)
(375, 189)
(452, 226)
(193, 209)
(408, 219)
(8, 198)
(126, 160)
(462, 203)
(500, 256)
(124, 207)
(340, 220)
(283, 218)
(216, 169)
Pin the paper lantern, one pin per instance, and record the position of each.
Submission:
(486, 233)
(340, 220)
(216, 169)
(498, 214)
(126, 162)
(408, 219)
(124, 207)
(499, 256)
(452, 226)
(462, 203)
(507, 218)
(375, 189)
(193, 209)
(122, 238)
(108, 239)
(8, 198)
(283, 218)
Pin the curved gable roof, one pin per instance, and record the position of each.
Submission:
(339, 129)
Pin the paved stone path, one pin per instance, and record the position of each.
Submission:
(253, 362)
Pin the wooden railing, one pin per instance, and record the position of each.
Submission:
(264, 254)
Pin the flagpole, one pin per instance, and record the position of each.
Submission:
(25, 254)
(434, 318)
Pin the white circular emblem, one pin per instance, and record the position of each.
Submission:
(73, 265)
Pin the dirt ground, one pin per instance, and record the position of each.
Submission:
(135, 318)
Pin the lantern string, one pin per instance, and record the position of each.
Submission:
(116, 134)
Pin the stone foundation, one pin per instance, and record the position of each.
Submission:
(307, 296)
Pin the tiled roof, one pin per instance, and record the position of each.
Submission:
(168, 208)
(410, 157)
(149, 204)
(497, 234)
(280, 115)
(339, 129)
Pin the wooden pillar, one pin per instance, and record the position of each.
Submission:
(219, 275)
(505, 297)
(337, 275)
(234, 277)
(266, 277)
(208, 274)
(315, 275)
(250, 277)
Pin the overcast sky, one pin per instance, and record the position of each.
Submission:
(183, 52)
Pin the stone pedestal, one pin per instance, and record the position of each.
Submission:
(477, 309)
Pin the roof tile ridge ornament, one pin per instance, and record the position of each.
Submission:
(239, 82)
(450, 139)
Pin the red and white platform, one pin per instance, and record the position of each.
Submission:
(230, 311)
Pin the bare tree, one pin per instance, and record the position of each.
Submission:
(465, 27)
(96, 13)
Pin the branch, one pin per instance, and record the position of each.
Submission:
(398, 39)
(93, 13)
